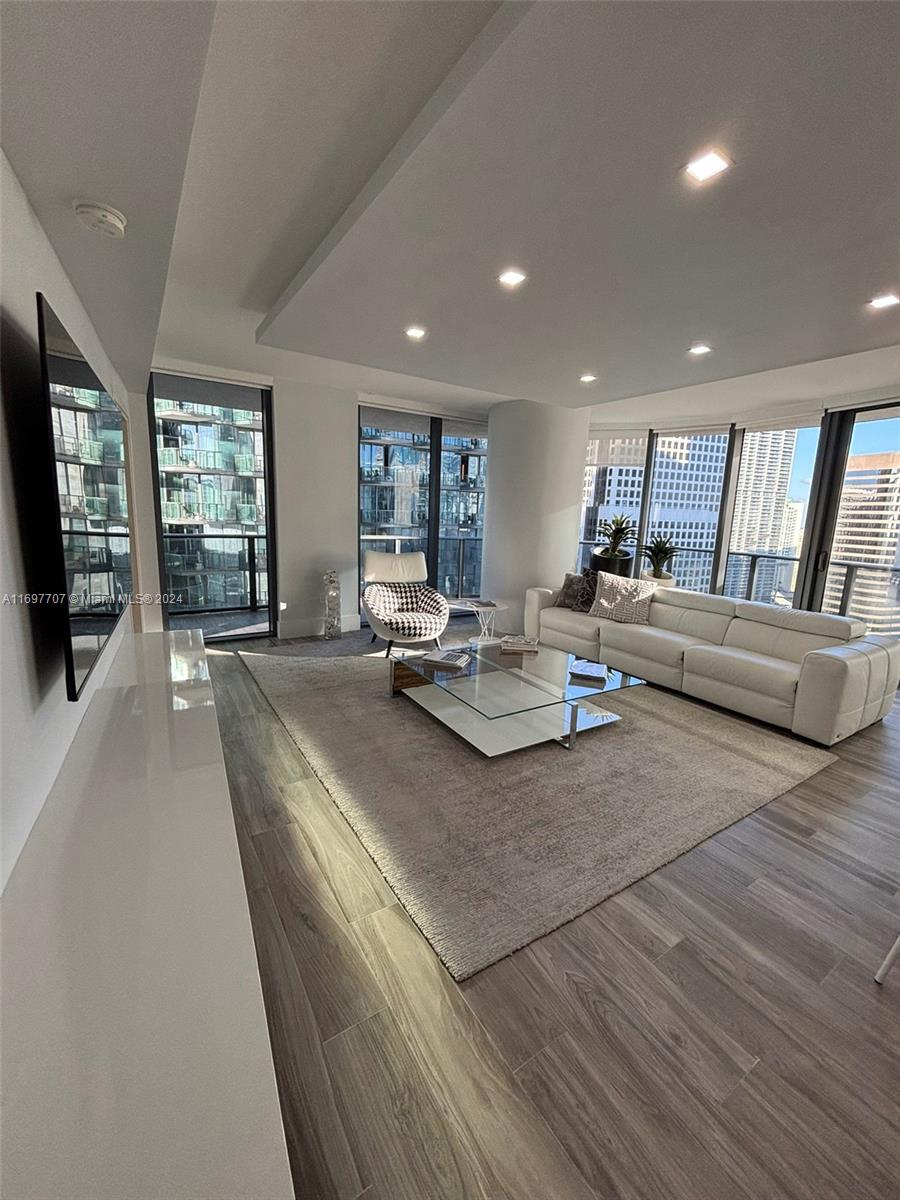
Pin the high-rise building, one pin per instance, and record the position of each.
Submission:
(90, 471)
(613, 481)
(686, 493)
(396, 461)
(213, 504)
(868, 531)
(760, 512)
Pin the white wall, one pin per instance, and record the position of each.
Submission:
(38, 722)
(536, 456)
(316, 480)
(142, 515)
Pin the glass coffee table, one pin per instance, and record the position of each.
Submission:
(503, 702)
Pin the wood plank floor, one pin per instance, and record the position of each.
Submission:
(713, 1032)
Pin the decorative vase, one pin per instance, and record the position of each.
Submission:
(332, 605)
(664, 580)
(619, 564)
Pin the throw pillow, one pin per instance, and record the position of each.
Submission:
(587, 592)
(623, 600)
(569, 592)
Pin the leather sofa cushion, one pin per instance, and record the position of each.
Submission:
(659, 645)
(746, 669)
(575, 624)
(695, 614)
(790, 644)
(824, 625)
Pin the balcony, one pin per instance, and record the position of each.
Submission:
(867, 591)
(188, 458)
(248, 464)
(221, 581)
(89, 506)
(87, 450)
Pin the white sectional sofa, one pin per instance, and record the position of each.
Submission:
(820, 676)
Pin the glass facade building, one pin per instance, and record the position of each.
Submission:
(761, 518)
(88, 440)
(212, 491)
(415, 470)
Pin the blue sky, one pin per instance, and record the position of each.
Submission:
(869, 437)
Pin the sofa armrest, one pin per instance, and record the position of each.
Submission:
(537, 598)
(844, 688)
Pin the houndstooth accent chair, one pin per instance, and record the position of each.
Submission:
(399, 606)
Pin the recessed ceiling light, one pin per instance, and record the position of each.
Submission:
(587, 379)
(708, 166)
(888, 300)
(416, 333)
(699, 349)
(512, 277)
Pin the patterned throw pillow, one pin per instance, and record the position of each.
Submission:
(569, 591)
(623, 600)
(587, 591)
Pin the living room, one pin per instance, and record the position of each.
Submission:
(451, 599)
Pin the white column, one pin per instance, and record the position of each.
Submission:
(536, 456)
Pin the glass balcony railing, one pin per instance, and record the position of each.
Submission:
(212, 572)
(84, 449)
(248, 464)
(868, 591)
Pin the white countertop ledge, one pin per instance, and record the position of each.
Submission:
(136, 1057)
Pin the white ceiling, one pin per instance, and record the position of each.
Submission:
(562, 156)
(354, 167)
(300, 104)
(98, 102)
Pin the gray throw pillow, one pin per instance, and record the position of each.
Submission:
(569, 591)
(587, 592)
(623, 600)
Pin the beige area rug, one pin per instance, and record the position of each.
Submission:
(488, 854)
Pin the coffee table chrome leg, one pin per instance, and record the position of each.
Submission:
(573, 726)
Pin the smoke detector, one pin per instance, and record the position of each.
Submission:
(100, 218)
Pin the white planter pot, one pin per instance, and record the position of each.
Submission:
(664, 580)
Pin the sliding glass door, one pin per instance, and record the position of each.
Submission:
(213, 462)
(422, 487)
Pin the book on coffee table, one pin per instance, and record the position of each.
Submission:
(583, 668)
(515, 644)
(448, 659)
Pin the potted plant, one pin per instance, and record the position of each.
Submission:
(613, 557)
(659, 552)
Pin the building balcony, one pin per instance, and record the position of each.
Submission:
(87, 450)
(89, 506)
(248, 464)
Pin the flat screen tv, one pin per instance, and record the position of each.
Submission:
(86, 432)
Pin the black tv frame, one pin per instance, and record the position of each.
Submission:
(56, 569)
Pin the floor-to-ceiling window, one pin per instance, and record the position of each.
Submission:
(863, 577)
(804, 516)
(771, 502)
(212, 459)
(463, 481)
(613, 483)
(685, 499)
(422, 487)
(394, 481)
